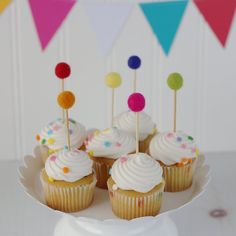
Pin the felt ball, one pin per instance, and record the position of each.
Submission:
(113, 80)
(66, 99)
(65, 170)
(136, 102)
(62, 70)
(175, 81)
(134, 62)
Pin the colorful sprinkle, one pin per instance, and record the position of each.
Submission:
(107, 144)
(184, 146)
(38, 137)
(56, 127)
(53, 158)
(91, 153)
(169, 135)
(50, 179)
(179, 139)
(197, 152)
(97, 132)
(51, 141)
(193, 150)
(123, 159)
(50, 132)
(66, 170)
(66, 148)
(118, 144)
(43, 141)
(50, 151)
(72, 121)
(190, 138)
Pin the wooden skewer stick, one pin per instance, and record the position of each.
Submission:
(135, 81)
(175, 109)
(137, 132)
(63, 110)
(68, 130)
(112, 106)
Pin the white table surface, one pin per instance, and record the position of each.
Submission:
(21, 216)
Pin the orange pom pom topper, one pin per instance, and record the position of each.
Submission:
(66, 99)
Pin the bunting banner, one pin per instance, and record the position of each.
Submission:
(219, 15)
(48, 16)
(4, 4)
(164, 19)
(107, 21)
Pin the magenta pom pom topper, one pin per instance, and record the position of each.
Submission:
(136, 102)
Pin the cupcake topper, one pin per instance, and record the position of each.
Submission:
(136, 103)
(134, 63)
(62, 71)
(113, 80)
(175, 82)
(66, 100)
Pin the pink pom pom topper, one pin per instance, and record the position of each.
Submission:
(136, 102)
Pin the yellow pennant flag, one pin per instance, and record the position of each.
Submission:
(4, 4)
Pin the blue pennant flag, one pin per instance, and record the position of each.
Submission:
(164, 18)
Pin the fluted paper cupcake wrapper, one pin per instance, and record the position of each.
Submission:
(130, 207)
(69, 199)
(102, 171)
(178, 178)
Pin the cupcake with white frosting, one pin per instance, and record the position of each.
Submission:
(136, 186)
(147, 129)
(177, 153)
(53, 137)
(104, 147)
(68, 180)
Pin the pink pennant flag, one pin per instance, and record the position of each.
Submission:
(48, 16)
(219, 15)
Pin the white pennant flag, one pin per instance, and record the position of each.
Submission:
(107, 21)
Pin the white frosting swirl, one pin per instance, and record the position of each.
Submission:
(77, 164)
(127, 121)
(110, 143)
(138, 172)
(54, 135)
(170, 147)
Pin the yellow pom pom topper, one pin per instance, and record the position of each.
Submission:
(66, 100)
(113, 80)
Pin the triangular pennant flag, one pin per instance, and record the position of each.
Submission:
(48, 16)
(164, 19)
(219, 16)
(4, 4)
(107, 21)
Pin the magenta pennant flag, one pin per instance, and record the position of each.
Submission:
(219, 15)
(48, 16)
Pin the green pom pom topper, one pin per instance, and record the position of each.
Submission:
(175, 81)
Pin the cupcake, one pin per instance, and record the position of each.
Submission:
(177, 153)
(136, 186)
(127, 121)
(104, 147)
(68, 181)
(53, 137)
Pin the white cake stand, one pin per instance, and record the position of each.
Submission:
(98, 219)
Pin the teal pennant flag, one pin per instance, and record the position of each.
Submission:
(164, 19)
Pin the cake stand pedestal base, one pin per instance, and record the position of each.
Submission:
(70, 226)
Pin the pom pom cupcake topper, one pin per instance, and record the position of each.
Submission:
(136, 103)
(175, 82)
(113, 80)
(66, 100)
(134, 62)
(62, 71)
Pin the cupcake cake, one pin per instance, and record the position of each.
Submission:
(53, 137)
(104, 147)
(68, 181)
(177, 153)
(147, 129)
(136, 186)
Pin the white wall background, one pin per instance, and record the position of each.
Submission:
(29, 89)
